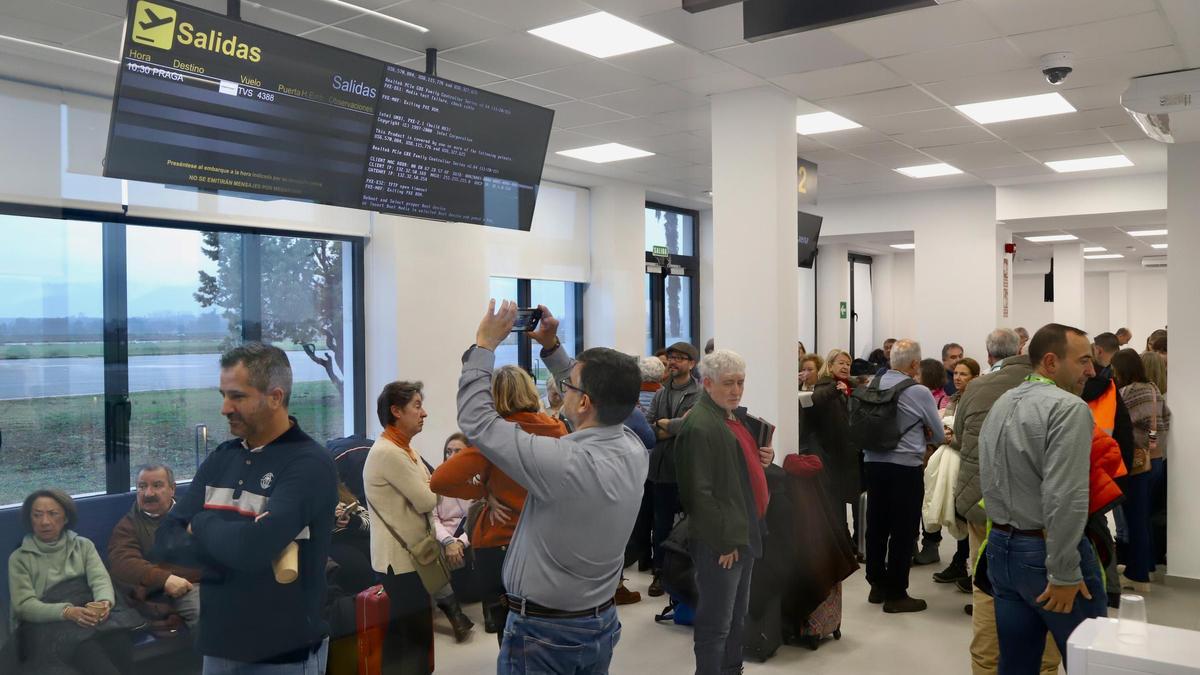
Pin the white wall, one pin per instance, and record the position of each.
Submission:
(958, 225)
(892, 283)
(1142, 192)
(1146, 308)
(833, 288)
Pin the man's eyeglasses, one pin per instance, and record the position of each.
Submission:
(678, 357)
(565, 384)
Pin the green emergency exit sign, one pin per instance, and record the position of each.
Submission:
(842, 310)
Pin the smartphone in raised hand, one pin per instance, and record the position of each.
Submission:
(527, 319)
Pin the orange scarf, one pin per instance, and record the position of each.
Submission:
(401, 440)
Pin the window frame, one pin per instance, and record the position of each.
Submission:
(117, 405)
(524, 298)
(690, 265)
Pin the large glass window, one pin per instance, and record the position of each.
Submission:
(304, 312)
(184, 310)
(111, 335)
(563, 301)
(504, 288)
(559, 298)
(672, 298)
(51, 356)
(671, 227)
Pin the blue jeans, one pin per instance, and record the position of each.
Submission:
(559, 646)
(724, 599)
(1140, 557)
(1017, 570)
(315, 665)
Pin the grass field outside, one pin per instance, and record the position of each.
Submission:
(59, 441)
(58, 350)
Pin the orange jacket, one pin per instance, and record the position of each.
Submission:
(455, 478)
(1106, 466)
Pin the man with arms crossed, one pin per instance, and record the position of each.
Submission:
(1034, 463)
(585, 489)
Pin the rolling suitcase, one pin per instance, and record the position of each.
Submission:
(763, 634)
(371, 611)
(825, 621)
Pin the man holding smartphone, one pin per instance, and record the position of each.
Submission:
(566, 556)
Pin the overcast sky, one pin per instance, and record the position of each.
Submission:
(53, 268)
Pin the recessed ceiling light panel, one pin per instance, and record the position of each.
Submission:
(1147, 233)
(1158, 246)
(929, 170)
(904, 247)
(1103, 256)
(601, 35)
(1020, 108)
(1094, 249)
(1090, 163)
(1045, 238)
(823, 122)
(607, 152)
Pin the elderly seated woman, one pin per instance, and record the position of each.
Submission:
(62, 597)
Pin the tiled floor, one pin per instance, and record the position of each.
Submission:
(929, 643)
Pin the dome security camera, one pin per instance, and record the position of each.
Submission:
(1056, 66)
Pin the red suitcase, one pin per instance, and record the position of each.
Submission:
(371, 611)
(825, 621)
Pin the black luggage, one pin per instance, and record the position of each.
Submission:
(763, 633)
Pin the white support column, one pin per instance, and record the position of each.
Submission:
(418, 318)
(615, 295)
(1183, 221)
(1068, 285)
(755, 294)
(1118, 300)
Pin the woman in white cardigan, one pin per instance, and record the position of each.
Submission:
(401, 505)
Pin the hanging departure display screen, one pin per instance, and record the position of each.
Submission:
(448, 151)
(214, 103)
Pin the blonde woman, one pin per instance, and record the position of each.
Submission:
(830, 420)
(810, 368)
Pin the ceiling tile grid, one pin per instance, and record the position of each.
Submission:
(898, 75)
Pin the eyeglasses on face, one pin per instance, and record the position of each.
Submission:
(565, 384)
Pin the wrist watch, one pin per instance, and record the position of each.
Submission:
(546, 351)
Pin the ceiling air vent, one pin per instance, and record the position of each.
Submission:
(1153, 261)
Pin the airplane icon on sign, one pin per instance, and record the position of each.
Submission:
(154, 25)
(154, 21)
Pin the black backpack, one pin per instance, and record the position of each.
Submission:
(873, 416)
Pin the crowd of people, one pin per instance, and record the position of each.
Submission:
(539, 504)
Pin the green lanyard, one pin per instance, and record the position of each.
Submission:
(1039, 378)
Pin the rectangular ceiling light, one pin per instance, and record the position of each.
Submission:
(601, 35)
(381, 15)
(607, 152)
(1158, 246)
(1046, 238)
(1147, 233)
(1094, 249)
(823, 122)
(1103, 256)
(1020, 108)
(928, 170)
(904, 247)
(1090, 163)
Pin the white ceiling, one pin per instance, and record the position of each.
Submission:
(899, 76)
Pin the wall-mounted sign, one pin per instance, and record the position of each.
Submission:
(842, 310)
(660, 251)
(806, 181)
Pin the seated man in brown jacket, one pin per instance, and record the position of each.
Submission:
(167, 595)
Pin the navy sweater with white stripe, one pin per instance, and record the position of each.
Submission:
(245, 614)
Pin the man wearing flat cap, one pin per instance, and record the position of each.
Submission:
(665, 415)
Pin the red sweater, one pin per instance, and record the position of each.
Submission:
(454, 478)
